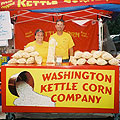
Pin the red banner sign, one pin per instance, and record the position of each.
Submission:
(43, 4)
(83, 36)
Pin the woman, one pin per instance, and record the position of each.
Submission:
(39, 44)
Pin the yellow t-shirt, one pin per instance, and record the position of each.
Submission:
(64, 42)
(42, 49)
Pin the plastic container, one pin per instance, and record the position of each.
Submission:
(5, 59)
(0, 60)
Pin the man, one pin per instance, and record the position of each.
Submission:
(64, 47)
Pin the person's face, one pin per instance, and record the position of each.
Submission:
(59, 26)
(39, 36)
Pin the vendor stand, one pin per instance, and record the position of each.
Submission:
(71, 89)
(68, 88)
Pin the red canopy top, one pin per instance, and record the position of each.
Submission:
(45, 4)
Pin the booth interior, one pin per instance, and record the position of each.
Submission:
(86, 23)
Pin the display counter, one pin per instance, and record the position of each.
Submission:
(61, 88)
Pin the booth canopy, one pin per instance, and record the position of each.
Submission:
(70, 9)
(45, 4)
(81, 17)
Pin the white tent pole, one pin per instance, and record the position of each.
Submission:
(77, 18)
(32, 18)
(100, 34)
(98, 14)
(21, 14)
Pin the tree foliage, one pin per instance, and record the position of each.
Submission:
(114, 26)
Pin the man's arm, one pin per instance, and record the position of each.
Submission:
(71, 51)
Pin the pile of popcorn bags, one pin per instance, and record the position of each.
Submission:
(30, 56)
(26, 56)
(94, 57)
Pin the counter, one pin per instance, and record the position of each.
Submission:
(60, 89)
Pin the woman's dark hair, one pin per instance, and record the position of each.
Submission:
(39, 30)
